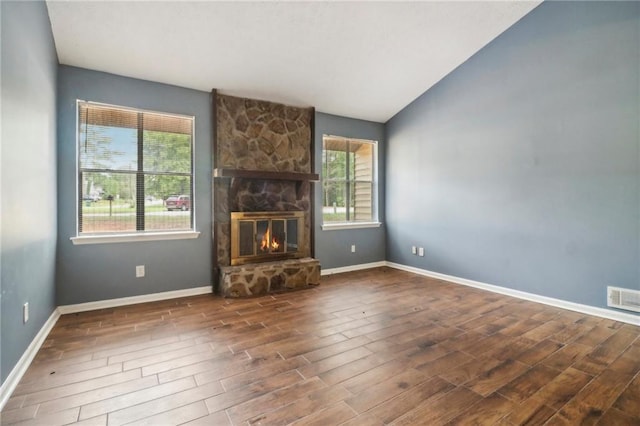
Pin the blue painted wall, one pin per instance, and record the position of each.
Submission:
(88, 273)
(333, 248)
(28, 181)
(522, 167)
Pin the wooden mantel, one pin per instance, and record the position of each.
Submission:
(263, 174)
(301, 179)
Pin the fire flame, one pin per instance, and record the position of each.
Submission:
(264, 246)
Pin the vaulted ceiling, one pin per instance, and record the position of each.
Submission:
(363, 60)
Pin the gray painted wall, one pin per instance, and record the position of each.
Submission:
(88, 273)
(333, 248)
(28, 176)
(522, 167)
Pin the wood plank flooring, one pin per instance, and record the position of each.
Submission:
(372, 347)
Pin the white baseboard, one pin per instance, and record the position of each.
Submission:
(123, 301)
(558, 303)
(352, 268)
(24, 362)
(577, 307)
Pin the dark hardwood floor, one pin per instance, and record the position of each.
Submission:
(364, 348)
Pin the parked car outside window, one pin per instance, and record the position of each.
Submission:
(178, 202)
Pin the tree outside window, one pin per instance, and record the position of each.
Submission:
(129, 163)
(348, 180)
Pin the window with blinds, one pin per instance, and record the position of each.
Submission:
(135, 170)
(348, 180)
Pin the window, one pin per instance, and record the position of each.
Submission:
(135, 171)
(348, 180)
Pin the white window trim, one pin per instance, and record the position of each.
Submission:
(134, 237)
(127, 237)
(335, 226)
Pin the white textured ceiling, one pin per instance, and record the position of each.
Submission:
(364, 60)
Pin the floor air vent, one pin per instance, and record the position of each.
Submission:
(623, 298)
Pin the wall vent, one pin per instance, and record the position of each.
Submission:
(623, 298)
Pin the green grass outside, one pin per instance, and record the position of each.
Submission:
(334, 217)
(117, 207)
(166, 222)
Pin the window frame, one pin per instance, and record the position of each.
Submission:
(137, 235)
(348, 182)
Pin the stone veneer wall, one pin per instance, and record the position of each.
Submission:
(262, 136)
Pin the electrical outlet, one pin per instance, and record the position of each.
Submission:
(414, 250)
(353, 248)
(421, 251)
(25, 312)
(139, 271)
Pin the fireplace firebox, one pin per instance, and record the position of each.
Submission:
(266, 236)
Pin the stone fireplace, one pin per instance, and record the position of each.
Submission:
(262, 200)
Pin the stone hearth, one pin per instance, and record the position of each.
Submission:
(270, 277)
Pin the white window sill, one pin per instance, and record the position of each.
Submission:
(349, 225)
(134, 237)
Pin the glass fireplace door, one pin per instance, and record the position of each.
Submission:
(256, 238)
